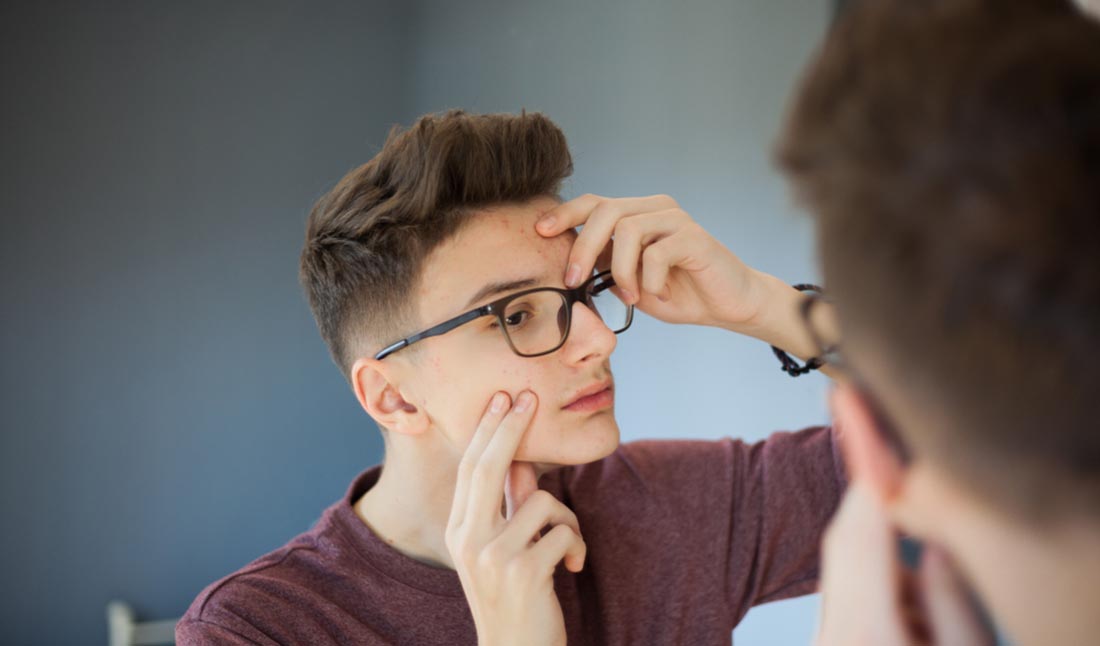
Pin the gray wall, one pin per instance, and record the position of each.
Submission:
(168, 411)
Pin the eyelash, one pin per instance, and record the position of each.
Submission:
(496, 321)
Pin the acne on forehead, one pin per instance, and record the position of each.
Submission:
(499, 243)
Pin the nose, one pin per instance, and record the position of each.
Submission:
(589, 337)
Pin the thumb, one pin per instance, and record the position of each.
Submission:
(952, 613)
(519, 483)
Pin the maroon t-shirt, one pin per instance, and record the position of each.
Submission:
(683, 538)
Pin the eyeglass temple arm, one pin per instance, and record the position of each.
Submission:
(442, 328)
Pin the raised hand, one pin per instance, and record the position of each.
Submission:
(661, 259)
(672, 269)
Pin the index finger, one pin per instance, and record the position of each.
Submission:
(566, 215)
(601, 217)
(484, 432)
(487, 480)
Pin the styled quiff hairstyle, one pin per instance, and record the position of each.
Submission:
(950, 152)
(367, 238)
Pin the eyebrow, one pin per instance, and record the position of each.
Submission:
(492, 289)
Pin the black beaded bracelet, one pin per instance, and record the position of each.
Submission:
(786, 363)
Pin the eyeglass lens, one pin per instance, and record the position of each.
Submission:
(538, 322)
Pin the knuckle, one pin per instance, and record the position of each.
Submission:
(492, 555)
(456, 541)
(487, 560)
(605, 210)
(518, 571)
(653, 253)
(543, 496)
(467, 555)
(558, 534)
(541, 499)
(627, 228)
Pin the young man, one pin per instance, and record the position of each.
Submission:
(950, 152)
(443, 306)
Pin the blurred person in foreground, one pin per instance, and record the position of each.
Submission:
(950, 154)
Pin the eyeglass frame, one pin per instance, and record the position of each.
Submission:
(830, 355)
(578, 294)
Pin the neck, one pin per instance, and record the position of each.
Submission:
(409, 506)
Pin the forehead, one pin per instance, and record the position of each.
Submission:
(499, 244)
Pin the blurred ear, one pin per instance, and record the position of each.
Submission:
(867, 455)
(378, 390)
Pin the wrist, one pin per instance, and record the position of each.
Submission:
(778, 321)
(774, 317)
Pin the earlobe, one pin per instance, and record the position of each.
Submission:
(377, 389)
(867, 455)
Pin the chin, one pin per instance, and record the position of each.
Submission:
(593, 439)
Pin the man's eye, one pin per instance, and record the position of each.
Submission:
(516, 319)
(513, 319)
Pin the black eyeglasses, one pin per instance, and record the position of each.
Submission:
(828, 352)
(536, 321)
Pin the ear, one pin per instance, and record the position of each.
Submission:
(867, 455)
(377, 388)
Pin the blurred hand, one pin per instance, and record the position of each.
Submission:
(870, 599)
(662, 261)
(505, 566)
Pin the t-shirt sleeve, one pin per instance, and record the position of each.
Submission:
(728, 518)
(261, 610)
(785, 490)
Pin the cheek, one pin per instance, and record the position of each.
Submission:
(461, 396)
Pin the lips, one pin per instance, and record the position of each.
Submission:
(595, 396)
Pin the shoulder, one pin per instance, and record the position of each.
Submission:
(251, 590)
(274, 588)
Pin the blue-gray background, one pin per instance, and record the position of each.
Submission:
(168, 410)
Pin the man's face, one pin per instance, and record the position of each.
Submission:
(455, 374)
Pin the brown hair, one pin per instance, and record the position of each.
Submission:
(950, 152)
(367, 238)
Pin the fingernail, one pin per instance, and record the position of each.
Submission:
(573, 276)
(547, 223)
(628, 296)
(523, 403)
(498, 403)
